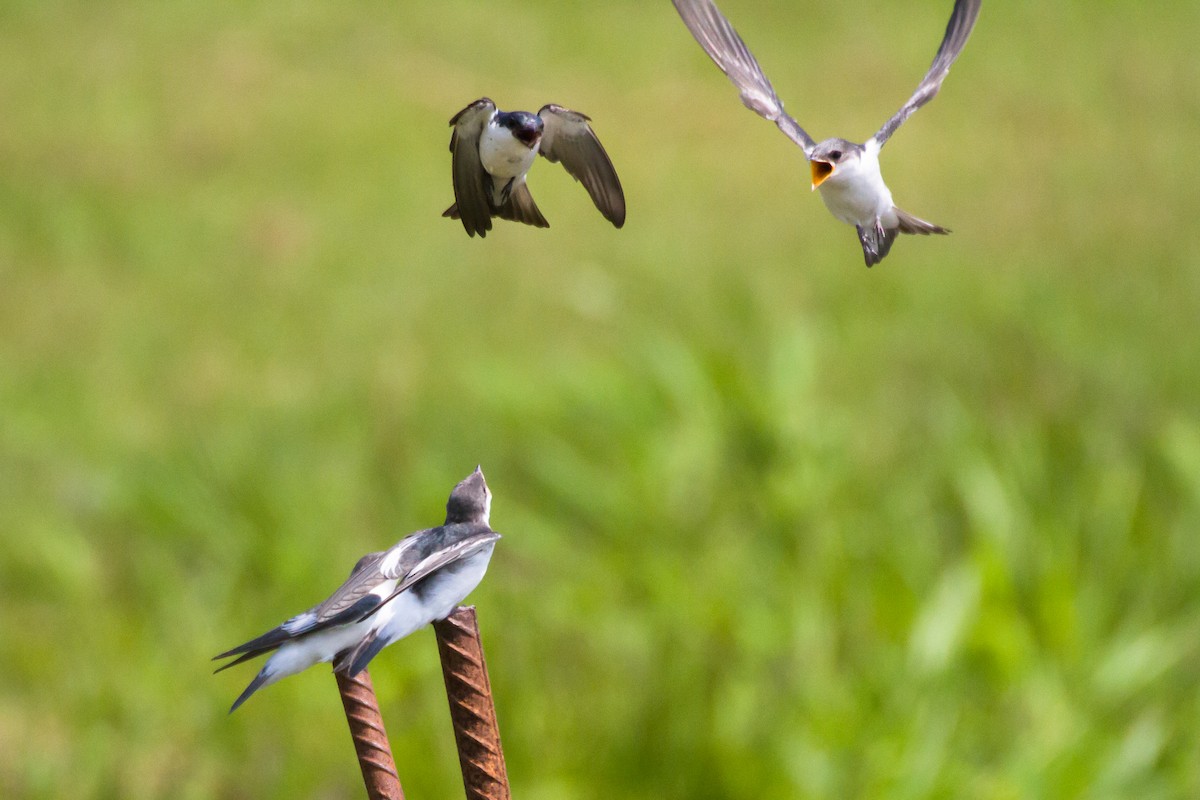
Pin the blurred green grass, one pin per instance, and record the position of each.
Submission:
(776, 525)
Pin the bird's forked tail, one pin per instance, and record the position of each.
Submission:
(877, 240)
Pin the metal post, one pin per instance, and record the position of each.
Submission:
(370, 737)
(471, 708)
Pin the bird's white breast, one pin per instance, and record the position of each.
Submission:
(502, 155)
(855, 192)
(442, 591)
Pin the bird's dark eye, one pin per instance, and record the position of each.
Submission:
(835, 155)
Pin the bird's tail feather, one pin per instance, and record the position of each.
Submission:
(259, 681)
(876, 241)
(520, 208)
(353, 661)
(911, 224)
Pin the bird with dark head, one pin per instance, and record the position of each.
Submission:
(492, 152)
(470, 501)
(526, 128)
(388, 595)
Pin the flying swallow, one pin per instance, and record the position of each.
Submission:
(846, 173)
(388, 595)
(492, 152)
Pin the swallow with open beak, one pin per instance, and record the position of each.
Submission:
(492, 152)
(847, 174)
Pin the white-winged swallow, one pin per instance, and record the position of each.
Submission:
(388, 595)
(846, 173)
(492, 152)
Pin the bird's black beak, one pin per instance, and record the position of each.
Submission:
(527, 136)
(820, 171)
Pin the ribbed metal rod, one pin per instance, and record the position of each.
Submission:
(471, 708)
(370, 737)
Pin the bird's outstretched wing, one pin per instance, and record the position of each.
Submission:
(471, 181)
(723, 45)
(360, 596)
(568, 138)
(958, 29)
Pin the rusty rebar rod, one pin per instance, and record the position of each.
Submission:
(471, 708)
(370, 737)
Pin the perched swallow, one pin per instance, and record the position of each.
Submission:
(846, 173)
(493, 150)
(389, 595)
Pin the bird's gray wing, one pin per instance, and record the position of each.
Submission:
(366, 586)
(461, 549)
(958, 29)
(471, 181)
(729, 52)
(361, 594)
(567, 138)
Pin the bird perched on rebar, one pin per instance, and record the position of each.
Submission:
(847, 174)
(388, 595)
(492, 151)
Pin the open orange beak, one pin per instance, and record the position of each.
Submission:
(820, 171)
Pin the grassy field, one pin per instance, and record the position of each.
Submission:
(776, 526)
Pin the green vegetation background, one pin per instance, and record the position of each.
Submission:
(777, 526)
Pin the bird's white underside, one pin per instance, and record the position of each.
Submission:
(395, 620)
(300, 654)
(501, 154)
(444, 590)
(855, 192)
